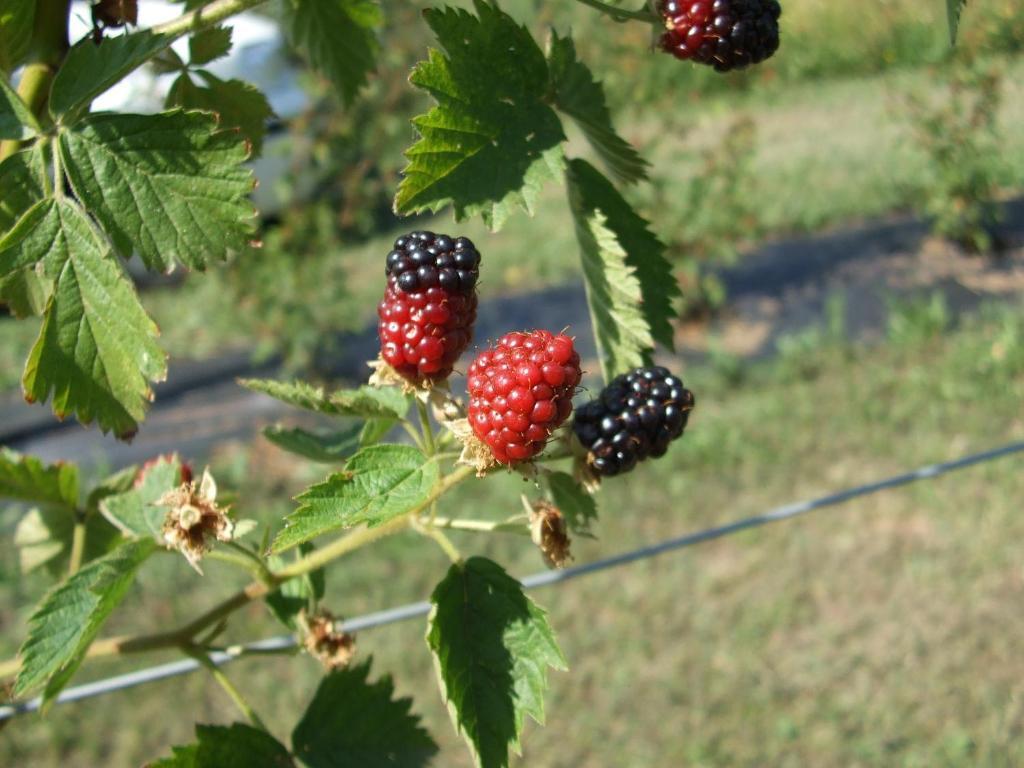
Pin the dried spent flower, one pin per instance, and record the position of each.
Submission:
(549, 532)
(325, 640)
(194, 520)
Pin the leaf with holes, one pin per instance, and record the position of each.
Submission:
(352, 723)
(70, 616)
(378, 483)
(492, 648)
(96, 352)
(170, 187)
(581, 97)
(492, 141)
(339, 38)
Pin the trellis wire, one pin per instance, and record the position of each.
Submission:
(546, 578)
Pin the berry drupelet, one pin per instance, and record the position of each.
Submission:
(520, 391)
(429, 306)
(635, 417)
(724, 34)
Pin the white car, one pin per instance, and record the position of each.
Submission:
(259, 55)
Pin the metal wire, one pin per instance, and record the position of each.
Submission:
(546, 578)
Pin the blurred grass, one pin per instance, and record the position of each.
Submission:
(880, 633)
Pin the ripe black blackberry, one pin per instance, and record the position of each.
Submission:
(429, 306)
(724, 34)
(635, 417)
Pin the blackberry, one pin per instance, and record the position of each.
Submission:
(635, 417)
(429, 306)
(520, 391)
(724, 34)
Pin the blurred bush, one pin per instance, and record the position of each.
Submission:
(959, 132)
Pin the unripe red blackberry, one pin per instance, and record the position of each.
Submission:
(520, 391)
(635, 417)
(429, 306)
(724, 34)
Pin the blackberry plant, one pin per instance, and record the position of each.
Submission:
(84, 190)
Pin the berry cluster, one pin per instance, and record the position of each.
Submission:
(636, 416)
(429, 306)
(725, 34)
(521, 391)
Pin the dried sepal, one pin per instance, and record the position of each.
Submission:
(385, 376)
(325, 641)
(549, 532)
(194, 520)
(475, 452)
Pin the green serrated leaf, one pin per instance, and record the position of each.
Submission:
(26, 478)
(209, 44)
(119, 482)
(325, 447)
(43, 538)
(16, 17)
(237, 104)
(364, 402)
(16, 119)
(338, 37)
(581, 97)
(578, 506)
(492, 141)
(378, 484)
(231, 746)
(134, 510)
(170, 187)
(954, 9)
(65, 623)
(298, 594)
(25, 291)
(630, 286)
(492, 647)
(352, 723)
(96, 352)
(90, 69)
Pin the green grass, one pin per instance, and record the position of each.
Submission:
(879, 633)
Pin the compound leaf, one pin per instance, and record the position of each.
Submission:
(209, 44)
(16, 17)
(581, 97)
(365, 402)
(96, 352)
(229, 746)
(492, 141)
(134, 510)
(352, 723)
(70, 616)
(377, 484)
(339, 38)
(578, 506)
(954, 9)
(170, 187)
(90, 69)
(492, 647)
(630, 286)
(324, 447)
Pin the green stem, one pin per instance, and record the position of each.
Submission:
(77, 545)
(620, 14)
(480, 526)
(217, 673)
(204, 16)
(426, 427)
(444, 542)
